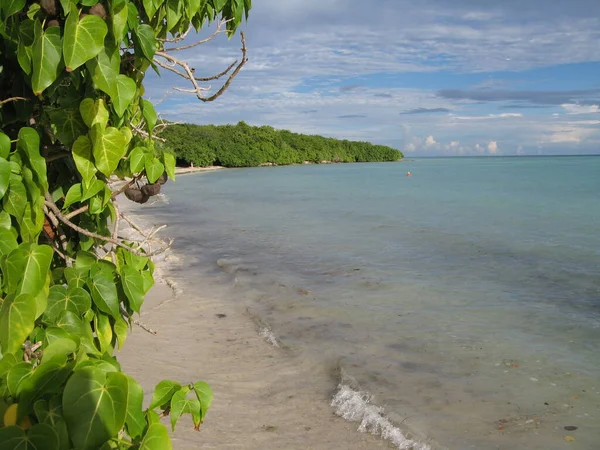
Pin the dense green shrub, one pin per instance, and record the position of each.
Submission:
(72, 115)
(242, 145)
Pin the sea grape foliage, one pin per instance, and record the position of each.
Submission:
(72, 115)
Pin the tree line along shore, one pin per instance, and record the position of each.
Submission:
(242, 145)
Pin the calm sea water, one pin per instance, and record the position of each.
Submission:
(465, 299)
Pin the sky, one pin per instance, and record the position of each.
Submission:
(430, 78)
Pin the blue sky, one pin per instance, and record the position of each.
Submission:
(461, 77)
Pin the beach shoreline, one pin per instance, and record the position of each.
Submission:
(264, 396)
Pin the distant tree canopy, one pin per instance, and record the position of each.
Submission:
(243, 145)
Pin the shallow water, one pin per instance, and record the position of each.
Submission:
(465, 299)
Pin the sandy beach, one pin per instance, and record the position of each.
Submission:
(265, 396)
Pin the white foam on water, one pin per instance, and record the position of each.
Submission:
(355, 406)
(268, 336)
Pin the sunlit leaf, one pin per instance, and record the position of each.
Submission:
(169, 161)
(83, 38)
(123, 94)
(46, 57)
(133, 285)
(156, 438)
(181, 404)
(163, 392)
(74, 299)
(104, 292)
(82, 154)
(154, 168)
(108, 148)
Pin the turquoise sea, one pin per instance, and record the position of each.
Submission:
(464, 300)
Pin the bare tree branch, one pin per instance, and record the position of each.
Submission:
(13, 99)
(183, 69)
(218, 31)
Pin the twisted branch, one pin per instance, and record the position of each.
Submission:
(182, 68)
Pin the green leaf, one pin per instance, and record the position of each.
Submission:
(118, 13)
(205, 395)
(94, 112)
(68, 124)
(135, 422)
(121, 330)
(70, 323)
(46, 57)
(104, 292)
(28, 146)
(58, 350)
(82, 154)
(149, 114)
(42, 436)
(169, 161)
(4, 145)
(6, 363)
(83, 38)
(108, 148)
(10, 7)
(163, 393)
(123, 94)
(147, 40)
(17, 320)
(154, 168)
(4, 176)
(74, 299)
(94, 406)
(150, 7)
(148, 280)
(14, 203)
(156, 438)
(180, 404)
(73, 196)
(174, 13)
(133, 285)
(5, 222)
(16, 375)
(28, 267)
(104, 332)
(45, 379)
(76, 277)
(92, 189)
(85, 260)
(105, 68)
(137, 159)
(8, 241)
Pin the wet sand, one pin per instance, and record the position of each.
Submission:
(265, 397)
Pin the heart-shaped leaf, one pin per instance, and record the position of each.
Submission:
(94, 406)
(149, 114)
(28, 146)
(169, 161)
(46, 57)
(121, 330)
(154, 168)
(68, 124)
(118, 13)
(14, 203)
(108, 148)
(83, 38)
(17, 319)
(74, 299)
(147, 40)
(82, 154)
(133, 285)
(104, 292)
(40, 437)
(73, 196)
(8, 241)
(45, 379)
(105, 68)
(137, 159)
(58, 350)
(181, 404)
(205, 395)
(10, 7)
(94, 112)
(123, 94)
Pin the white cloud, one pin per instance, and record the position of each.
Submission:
(493, 148)
(430, 141)
(581, 109)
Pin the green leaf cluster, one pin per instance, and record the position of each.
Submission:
(242, 145)
(72, 116)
